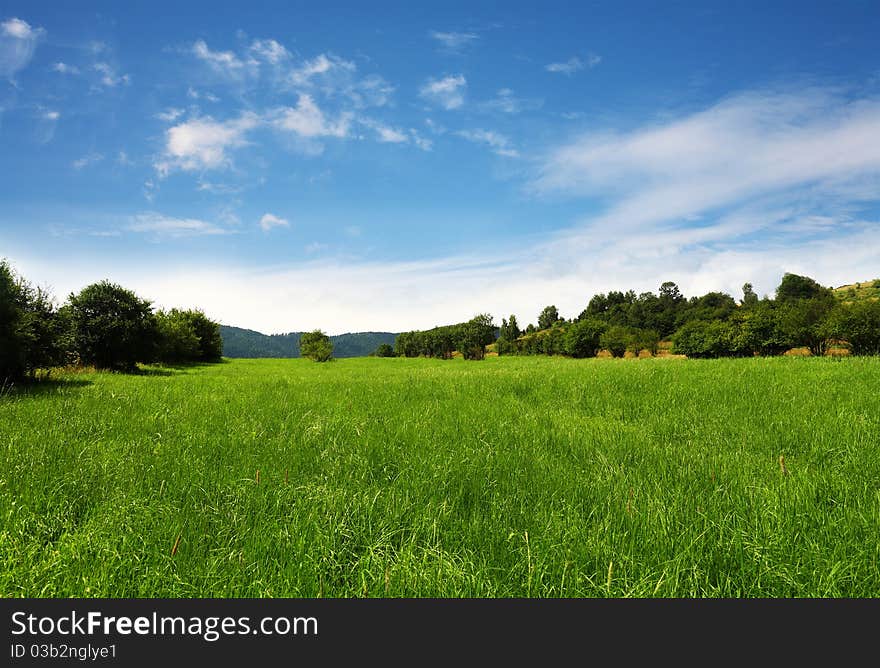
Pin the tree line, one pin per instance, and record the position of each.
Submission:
(104, 325)
(802, 314)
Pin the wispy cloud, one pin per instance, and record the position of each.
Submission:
(202, 143)
(268, 221)
(64, 68)
(225, 63)
(109, 76)
(87, 160)
(447, 92)
(574, 64)
(499, 144)
(453, 42)
(168, 226)
(170, 115)
(18, 42)
(507, 103)
(752, 145)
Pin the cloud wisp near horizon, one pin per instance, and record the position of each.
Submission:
(284, 184)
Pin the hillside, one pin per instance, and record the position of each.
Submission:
(863, 290)
(239, 342)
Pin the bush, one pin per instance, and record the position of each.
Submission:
(616, 340)
(112, 327)
(33, 334)
(706, 339)
(316, 346)
(859, 325)
(582, 338)
(178, 342)
(384, 350)
(644, 339)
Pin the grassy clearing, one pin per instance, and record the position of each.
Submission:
(393, 477)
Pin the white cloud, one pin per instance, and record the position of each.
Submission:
(499, 144)
(109, 76)
(170, 115)
(18, 41)
(51, 115)
(167, 226)
(307, 120)
(64, 68)
(87, 160)
(574, 64)
(269, 51)
(202, 143)
(193, 94)
(507, 103)
(749, 146)
(222, 62)
(321, 66)
(268, 221)
(454, 42)
(447, 92)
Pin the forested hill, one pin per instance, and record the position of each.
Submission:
(238, 342)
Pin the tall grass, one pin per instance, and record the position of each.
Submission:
(395, 477)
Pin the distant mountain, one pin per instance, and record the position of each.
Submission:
(238, 342)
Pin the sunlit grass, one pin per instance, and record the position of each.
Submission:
(394, 477)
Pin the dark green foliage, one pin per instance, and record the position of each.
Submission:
(384, 350)
(548, 317)
(760, 329)
(12, 349)
(582, 338)
(474, 335)
(799, 287)
(178, 341)
(208, 333)
(508, 333)
(706, 339)
(112, 327)
(644, 339)
(238, 342)
(616, 339)
(316, 346)
(750, 297)
(805, 323)
(711, 306)
(859, 324)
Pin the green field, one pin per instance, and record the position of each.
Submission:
(516, 476)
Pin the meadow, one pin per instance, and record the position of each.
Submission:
(510, 477)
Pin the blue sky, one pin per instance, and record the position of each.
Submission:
(356, 166)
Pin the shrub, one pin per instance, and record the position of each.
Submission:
(112, 328)
(616, 340)
(316, 346)
(384, 350)
(582, 338)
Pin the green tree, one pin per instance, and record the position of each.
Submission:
(384, 350)
(112, 327)
(316, 345)
(474, 335)
(548, 317)
(12, 347)
(859, 325)
(616, 339)
(582, 338)
(793, 287)
(750, 297)
(807, 323)
(178, 342)
(208, 333)
(644, 339)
